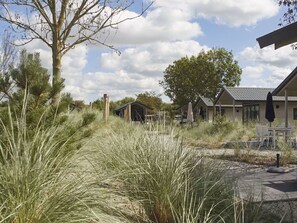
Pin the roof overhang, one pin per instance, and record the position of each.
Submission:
(289, 85)
(281, 37)
(225, 98)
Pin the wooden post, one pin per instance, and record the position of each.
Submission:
(105, 107)
(129, 113)
(286, 115)
(233, 110)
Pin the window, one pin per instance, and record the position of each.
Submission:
(223, 112)
(251, 113)
(295, 113)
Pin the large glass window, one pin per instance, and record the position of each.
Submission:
(251, 113)
(222, 112)
(295, 113)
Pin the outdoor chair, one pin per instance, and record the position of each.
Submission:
(263, 135)
(288, 135)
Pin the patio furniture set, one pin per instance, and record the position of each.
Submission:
(268, 136)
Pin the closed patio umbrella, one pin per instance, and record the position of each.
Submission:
(190, 116)
(269, 112)
(201, 113)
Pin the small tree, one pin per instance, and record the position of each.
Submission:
(28, 78)
(150, 99)
(63, 24)
(183, 80)
(221, 70)
(203, 75)
(30, 81)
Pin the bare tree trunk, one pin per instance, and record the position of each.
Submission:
(56, 78)
(213, 112)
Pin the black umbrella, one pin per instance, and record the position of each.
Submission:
(201, 112)
(269, 112)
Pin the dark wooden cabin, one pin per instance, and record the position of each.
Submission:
(137, 110)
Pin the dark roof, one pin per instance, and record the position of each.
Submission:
(241, 94)
(134, 102)
(246, 93)
(209, 103)
(289, 83)
(206, 101)
(281, 37)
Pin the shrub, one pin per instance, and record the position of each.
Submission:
(40, 180)
(88, 118)
(169, 182)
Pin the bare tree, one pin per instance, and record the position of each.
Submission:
(7, 52)
(7, 59)
(63, 24)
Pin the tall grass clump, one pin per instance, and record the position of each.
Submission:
(165, 181)
(216, 134)
(39, 181)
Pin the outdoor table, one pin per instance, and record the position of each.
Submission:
(274, 130)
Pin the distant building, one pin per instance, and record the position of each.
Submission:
(253, 102)
(205, 110)
(133, 111)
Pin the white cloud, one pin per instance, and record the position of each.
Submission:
(74, 61)
(284, 56)
(151, 59)
(253, 72)
(117, 85)
(135, 71)
(159, 24)
(228, 12)
(269, 64)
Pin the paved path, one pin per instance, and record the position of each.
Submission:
(268, 187)
(277, 192)
(255, 183)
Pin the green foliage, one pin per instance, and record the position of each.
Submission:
(217, 134)
(29, 81)
(59, 173)
(65, 103)
(222, 70)
(170, 182)
(150, 99)
(221, 125)
(170, 109)
(31, 78)
(98, 104)
(187, 78)
(40, 180)
(289, 15)
(179, 79)
(287, 153)
(88, 118)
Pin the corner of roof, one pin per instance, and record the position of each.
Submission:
(284, 82)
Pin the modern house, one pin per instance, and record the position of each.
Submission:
(253, 102)
(282, 37)
(133, 112)
(205, 110)
(288, 89)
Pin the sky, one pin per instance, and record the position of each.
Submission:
(168, 31)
